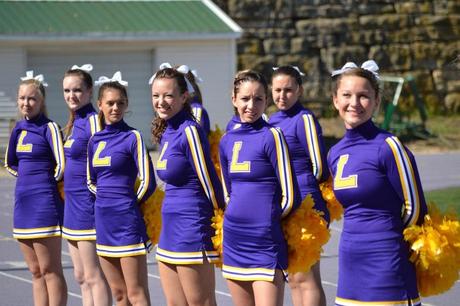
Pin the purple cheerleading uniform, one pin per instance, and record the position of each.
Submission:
(116, 157)
(35, 155)
(201, 116)
(375, 179)
(79, 201)
(306, 147)
(235, 122)
(192, 192)
(260, 189)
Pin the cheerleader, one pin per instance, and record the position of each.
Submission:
(35, 155)
(375, 179)
(306, 147)
(116, 157)
(260, 189)
(185, 252)
(79, 228)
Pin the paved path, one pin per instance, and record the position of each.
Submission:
(437, 171)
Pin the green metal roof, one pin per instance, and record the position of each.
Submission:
(99, 18)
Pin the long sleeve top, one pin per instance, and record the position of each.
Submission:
(377, 181)
(306, 146)
(259, 183)
(35, 153)
(116, 157)
(185, 166)
(76, 147)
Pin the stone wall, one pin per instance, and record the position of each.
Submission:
(418, 38)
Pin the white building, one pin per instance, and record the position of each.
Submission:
(131, 36)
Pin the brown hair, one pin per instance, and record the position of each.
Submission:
(197, 92)
(158, 124)
(107, 86)
(289, 71)
(360, 72)
(41, 89)
(88, 81)
(249, 76)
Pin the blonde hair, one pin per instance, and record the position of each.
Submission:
(41, 89)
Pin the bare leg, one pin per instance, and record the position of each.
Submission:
(171, 285)
(48, 251)
(198, 284)
(40, 293)
(93, 274)
(113, 273)
(242, 293)
(269, 293)
(306, 288)
(135, 274)
(79, 274)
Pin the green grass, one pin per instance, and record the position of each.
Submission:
(445, 199)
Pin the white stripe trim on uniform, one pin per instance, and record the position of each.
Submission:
(408, 181)
(186, 258)
(123, 251)
(224, 185)
(248, 274)
(348, 302)
(200, 163)
(143, 166)
(94, 124)
(285, 173)
(313, 145)
(197, 113)
(78, 235)
(58, 150)
(39, 232)
(91, 187)
(8, 168)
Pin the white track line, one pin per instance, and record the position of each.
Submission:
(30, 282)
(223, 293)
(336, 228)
(329, 284)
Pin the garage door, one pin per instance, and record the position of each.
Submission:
(136, 67)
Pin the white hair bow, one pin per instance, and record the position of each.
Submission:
(293, 67)
(161, 67)
(198, 79)
(30, 76)
(184, 69)
(85, 67)
(116, 78)
(369, 65)
(164, 66)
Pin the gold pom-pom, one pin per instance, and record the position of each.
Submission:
(60, 187)
(214, 139)
(435, 247)
(306, 232)
(217, 239)
(333, 205)
(151, 210)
